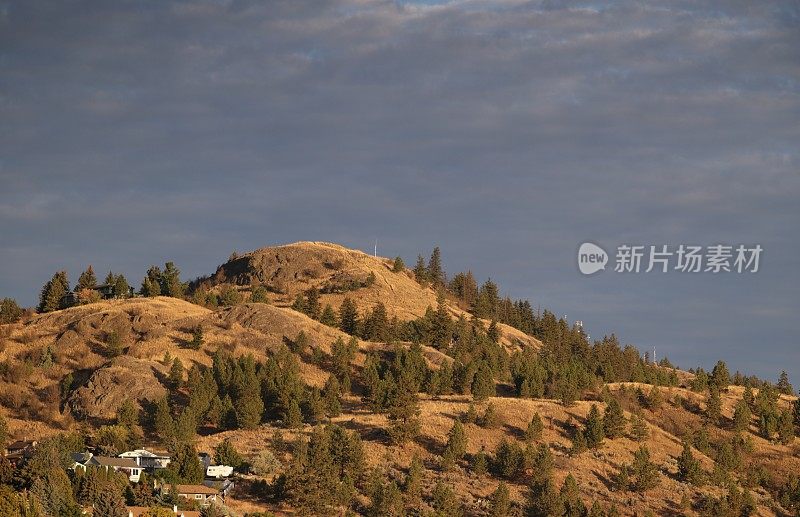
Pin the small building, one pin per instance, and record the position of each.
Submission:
(126, 465)
(202, 494)
(149, 461)
(19, 451)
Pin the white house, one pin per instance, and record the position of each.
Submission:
(146, 459)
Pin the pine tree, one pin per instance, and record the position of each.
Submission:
(53, 292)
(689, 469)
(720, 377)
(613, 420)
(742, 416)
(348, 317)
(420, 271)
(121, 287)
(226, 454)
(128, 414)
(500, 501)
(579, 444)
(151, 285)
(639, 428)
(332, 396)
(259, 295)
(570, 498)
(786, 427)
(404, 416)
(713, 407)
(644, 472)
(483, 384)
(170, 282)
(398, 266)
(456, 441)
(435, 274)
(10, 311)
(186, 465)
(197, 338)
(312, 305)
(413, 483)
(176, 374)
(594, 432)
(87, 280)
(535, 428)
(445, 502)
(748, 396)
(480, 463)
(110, 502)
(490, 419)
(784, 386)
(544, 500)
(163, 423)
(328, 316)
(294, 417)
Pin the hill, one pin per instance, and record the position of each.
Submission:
(72, 369)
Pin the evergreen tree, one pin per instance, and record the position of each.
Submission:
(170, 282)
(784, 386)
(500, 501)
(87, 280)
(226, 454)
(490, 419)
(121, 287)
(10, 311)
(420, 271)
(259, 295)
(444, 501)
(639, 428)
(176, 374)
(720, 377)
(398, 266)
(413, 483)
(594, 431)
(186, 465)
(197, 338)
(713, 407)
(312, 305)
(480, 464)
(404, 416)
(128, 414)
(151, 285)
(163, 423)
(742, 416)
(579, 444)
(348, 317)
(294, 417)
(689, 469)
(786, 427)
(328, 316)
(110, 502)
(435, 274)
(387, 501)
(53, 292)
(570, 498)
(535, 428)
(456, 441)
(483, 383)
(376, 325)
(544, 500)
(644, 473)
(613, 420)
(332, 397)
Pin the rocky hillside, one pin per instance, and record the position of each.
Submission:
(72, 369)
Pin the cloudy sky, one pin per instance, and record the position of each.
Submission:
(507, 132)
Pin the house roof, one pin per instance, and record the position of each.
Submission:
(105, 461)
(197, 489)
(20, 444)
(141, 453)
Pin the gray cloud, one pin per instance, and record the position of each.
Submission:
(505, 131)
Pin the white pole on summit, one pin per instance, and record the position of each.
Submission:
(376, 249)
